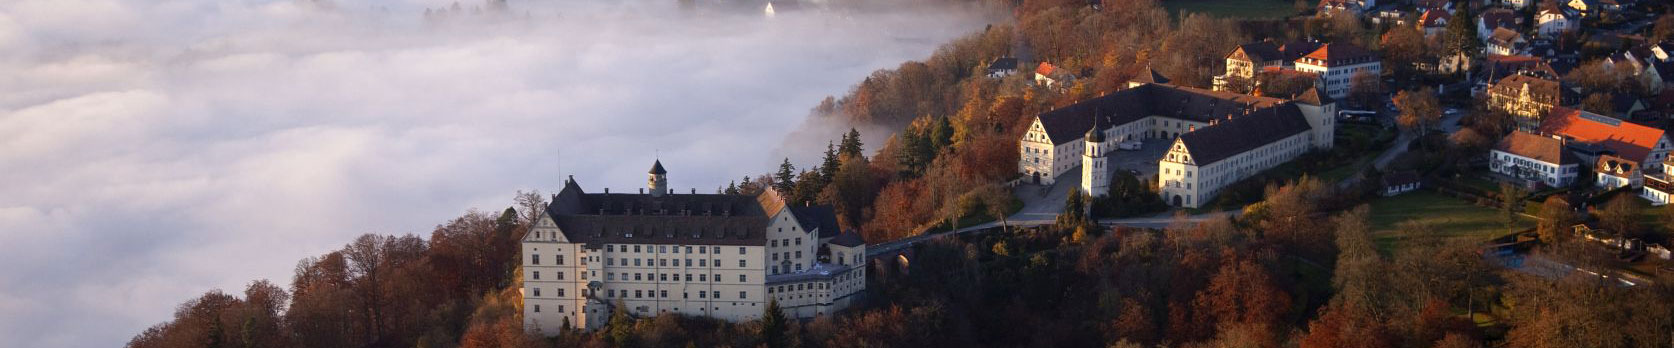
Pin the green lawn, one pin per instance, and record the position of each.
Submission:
(1234, 8)
(1452, 218)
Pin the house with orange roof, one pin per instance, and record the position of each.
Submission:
(1434, 22)
(1617, 148)
(1049, 75)
(1337, 64)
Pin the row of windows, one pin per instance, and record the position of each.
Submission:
(787, 241)
(535, 259)
(666, 248)
(663, 277)
(537, 292)
(665, 262)
(537, 275)
(612, 293)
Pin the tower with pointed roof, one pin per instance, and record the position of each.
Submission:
(1095, 170)
(658, 180)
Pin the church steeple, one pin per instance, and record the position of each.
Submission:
(658, 180)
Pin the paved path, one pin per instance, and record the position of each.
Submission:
(1158, 222)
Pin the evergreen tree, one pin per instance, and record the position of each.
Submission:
(829, 164)
(1075, 210)
(1461, 37)
(785, 179)
(732, 188)
(851, 145)
(941, 135)
(773, 324)
(916, 153)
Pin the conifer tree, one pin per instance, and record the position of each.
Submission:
(829, 164)
(785, 179)
(851, 145)
(773, 323)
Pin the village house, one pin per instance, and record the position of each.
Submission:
(1506, 42)
(1552, 22)
(1529, 99)
(1401, 182)
(1615, 147)
(1434, 22)
(1495, 19)
(1002, 67)
(1249, 59)
(1337, 64)
(1534, 159)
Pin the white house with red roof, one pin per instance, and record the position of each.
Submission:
(1618, 149)
(1337, 64)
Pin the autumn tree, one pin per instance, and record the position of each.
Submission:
(1556, 217)
(1403, 46)
(1419, 109)
(1366, 90)
(1620, 215)
(1511, 204)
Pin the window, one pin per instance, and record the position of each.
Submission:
(537, 308)
(688, 250)
(610, 293)
(741, 264)
(637, 293)
(537, 275)
(535, 259)
(775, 256)
(702, 294)
(741, 250)
(559, 259)
(688, 262)
(610, 248)
(703, 277)
(799, 254)
(688, 277)
(636, 248)
(717, 250)
(664, 277)
(664, 294)
(798, 240)
(636, 262)
(703, 263)
(741, 278)
(662, 249)
(560, 275)
(662, 262)
(637, 276)
(560, 292)
(610, 262)
(741, 295)
(716, 294)
(610, 276)
(537, 292)
(701, 250)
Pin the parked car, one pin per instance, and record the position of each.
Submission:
(1131, 145)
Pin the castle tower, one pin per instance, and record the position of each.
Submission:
(658, 182)
(1095, 170)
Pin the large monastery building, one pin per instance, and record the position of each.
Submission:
(1218, 138)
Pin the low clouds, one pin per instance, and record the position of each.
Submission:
(153, 150)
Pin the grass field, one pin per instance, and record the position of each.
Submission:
(1233, 8)
(1452, 218)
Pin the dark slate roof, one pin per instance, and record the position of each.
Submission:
(657, 168)
(1400, 178)
(1261, 51)
(849, 239)
(1314, 97)
(822, 218)
(1243, 133)
(1499, 18)
(1003, 63)
(695, 219)
(1148, 75)
(1066, 124)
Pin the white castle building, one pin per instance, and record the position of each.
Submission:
(715, 255)
(1218, 138)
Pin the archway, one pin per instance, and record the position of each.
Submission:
(1177, 200)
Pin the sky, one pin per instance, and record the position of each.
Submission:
(153, 150)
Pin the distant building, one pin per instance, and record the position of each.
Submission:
(1434, 22)
(1433, 5)
(1534, 158)
(1051, 76)
(711, 255)
(1659, 187)
(1595, 136)
(1552, 22)
(1495, 19)
(1251, 58)
(1350, 7)
(1337, 64)
(1401, 182)
(1506, 42)
(1219, 137)
(1002, 67)
(1529, 99)
(1612, 172)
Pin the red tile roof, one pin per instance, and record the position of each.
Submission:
(1045, 69)
(1627, 139)
(1540, 148)
(1335, 54)
(1430, 18)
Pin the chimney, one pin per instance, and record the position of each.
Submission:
(642, 190)
(607, 190)
(694, 190)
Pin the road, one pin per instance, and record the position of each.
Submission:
(1403, 141)
(1157, 222)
